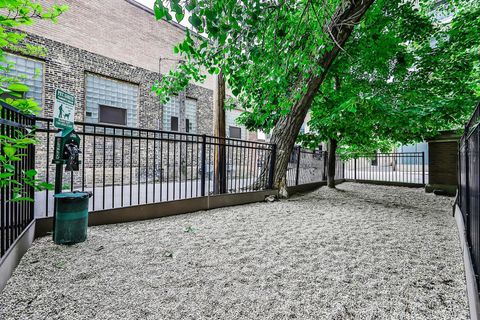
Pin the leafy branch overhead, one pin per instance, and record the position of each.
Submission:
(16, 13)
(266, 49)
(393, 84)
(370, 71)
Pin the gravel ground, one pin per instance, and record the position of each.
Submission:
(359, 252)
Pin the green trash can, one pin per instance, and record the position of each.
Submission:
(71, 218)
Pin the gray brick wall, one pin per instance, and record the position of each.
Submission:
(65, 67)
(117, 29)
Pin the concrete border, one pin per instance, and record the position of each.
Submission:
(389, 183)
(472, 289)
(302, 188)
(161, 209)
(14, 254)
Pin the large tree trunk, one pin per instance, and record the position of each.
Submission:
(220, 165)
(332, 160)
(287, 128)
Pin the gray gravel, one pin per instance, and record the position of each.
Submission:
(360, 252)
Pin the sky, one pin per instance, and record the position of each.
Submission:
(148, 3)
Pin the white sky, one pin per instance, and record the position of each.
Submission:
(148, 3)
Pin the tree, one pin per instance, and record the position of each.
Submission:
(274, 54)
(15, 13)
(367, 105)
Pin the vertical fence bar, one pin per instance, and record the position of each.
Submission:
(423, 167)
(203, 164)
(273, 159)
(354, 168)
(298, 166)
(467, 192)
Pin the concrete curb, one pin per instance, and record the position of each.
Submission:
(472, 289)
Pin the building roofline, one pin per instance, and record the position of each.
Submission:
(150, 11)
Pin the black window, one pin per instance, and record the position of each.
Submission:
(174, 123)
(235, 132)
(113, 115)
(187, 125)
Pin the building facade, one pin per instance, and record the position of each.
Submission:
(109, 54)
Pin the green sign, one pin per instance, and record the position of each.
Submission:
(63, 109)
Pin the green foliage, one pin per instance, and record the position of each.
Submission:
(16, 13)
(403, 77)
(389, 85)
(265, 49)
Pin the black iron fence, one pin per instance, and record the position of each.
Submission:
(468, 198)
(125, 166)
(307, 166)
(15, 214)
(404, 167)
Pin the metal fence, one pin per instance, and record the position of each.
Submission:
(404, 167)
(125, 166)
(468, 198)
(15, 216)
(306, 166)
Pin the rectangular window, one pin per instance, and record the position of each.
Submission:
(106, 98)
(171, 109)
(235, 132)
(29, 72)
(191, 115)
(113, 115)
(174, 124)
(231, 121)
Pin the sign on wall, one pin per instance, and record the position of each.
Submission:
(63, 109)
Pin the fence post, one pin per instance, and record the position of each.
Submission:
(325, 159)
(273, 159)
(467, 194)
(298, 166)
(31, 156)
(354, 168)
(423, 167)
(203, 166)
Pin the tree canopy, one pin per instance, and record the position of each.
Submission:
(398, 75)
(396, 86)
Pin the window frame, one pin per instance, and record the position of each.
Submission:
(137, 98)
(43, 63)
(111, 123)
(230, 132)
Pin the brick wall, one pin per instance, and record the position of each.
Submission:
(443, 162)
(65, 67)
(119, 29)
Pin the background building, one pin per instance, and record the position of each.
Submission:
(109, 54)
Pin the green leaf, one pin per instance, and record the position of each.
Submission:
(31, 173)
(179, 17)
(5, 175)
(9, 151)
(18, 87)
(160, 11)
(195, 21)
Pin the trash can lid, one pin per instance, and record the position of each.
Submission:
(73, 195)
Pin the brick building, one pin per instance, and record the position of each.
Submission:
(109, 54)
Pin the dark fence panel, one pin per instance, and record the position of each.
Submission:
(15, 216)
(468, 198)
(404, 167)
(306, 166)
(125, 166)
